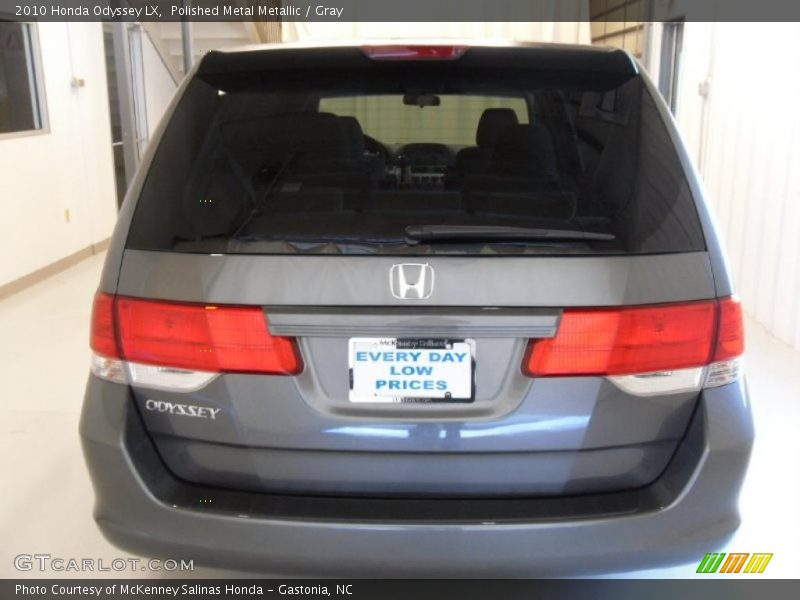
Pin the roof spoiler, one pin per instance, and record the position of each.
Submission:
(544, 57)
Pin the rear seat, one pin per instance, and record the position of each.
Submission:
(427, 200)
(523, 158)
(525, 152)
(318, 143)
(324, 150)
(354, 136)
(477, 159)
(370, 164)
(523, 171)
(327, 159)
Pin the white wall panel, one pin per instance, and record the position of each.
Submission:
(65, 168)
(745, 137)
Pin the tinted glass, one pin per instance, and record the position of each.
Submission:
(18, 94)
(453, 122)
(343, 161)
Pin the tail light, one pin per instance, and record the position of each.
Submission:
(643, 346)
(104, 336)
(730, 330)
(402, 52)
(220, 339)
(106, 362)
(171, 338)
(729, 345)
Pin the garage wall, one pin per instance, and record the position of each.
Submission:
(159, 86)
(561, 31)
(745, 137)
(619, 23)
(57, 189)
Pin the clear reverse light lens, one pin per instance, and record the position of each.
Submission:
(661, 382)
(723, 372)
(149, 376)
(168, 378)
(110, 369)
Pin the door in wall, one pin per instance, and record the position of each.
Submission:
(126, 99)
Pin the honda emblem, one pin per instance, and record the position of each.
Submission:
(411, 281)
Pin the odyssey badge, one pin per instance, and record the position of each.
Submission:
(183, 410)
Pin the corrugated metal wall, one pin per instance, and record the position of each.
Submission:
(619, 23)
(568, 32)
(745, 137)
(269, 30)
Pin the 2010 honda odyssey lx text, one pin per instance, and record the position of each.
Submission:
(427, 310)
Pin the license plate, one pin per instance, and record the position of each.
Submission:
(394, 370)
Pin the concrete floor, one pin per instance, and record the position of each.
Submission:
(46, 502)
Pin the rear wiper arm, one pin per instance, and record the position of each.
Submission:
(260, 202)
(490, 233)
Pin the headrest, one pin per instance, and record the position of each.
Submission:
(352, 132)
(525, 150)
(493, 122)
(282, 131)
(317, 128)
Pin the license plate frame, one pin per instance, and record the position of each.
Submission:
(452, 369)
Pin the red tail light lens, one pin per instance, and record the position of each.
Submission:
(399, 52)
(191, 336)
(622, 341)
(103, 338)
(730, 331)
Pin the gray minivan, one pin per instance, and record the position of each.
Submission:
(417, 310)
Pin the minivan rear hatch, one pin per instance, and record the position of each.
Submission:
(405, 227)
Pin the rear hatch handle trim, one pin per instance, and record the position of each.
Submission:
(489, 322)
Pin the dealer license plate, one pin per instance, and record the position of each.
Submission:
(394, 370)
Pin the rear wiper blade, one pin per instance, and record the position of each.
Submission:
(491, 233)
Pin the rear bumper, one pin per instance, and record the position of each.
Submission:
(690, 510)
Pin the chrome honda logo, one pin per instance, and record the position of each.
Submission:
(411, 281)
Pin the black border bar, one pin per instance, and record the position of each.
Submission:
(405, 589)
(400, 10)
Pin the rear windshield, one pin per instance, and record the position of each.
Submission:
(398, 160)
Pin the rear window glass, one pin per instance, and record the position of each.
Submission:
(453, 122)
(441, 160)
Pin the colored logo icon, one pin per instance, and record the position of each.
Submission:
(735, 562)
